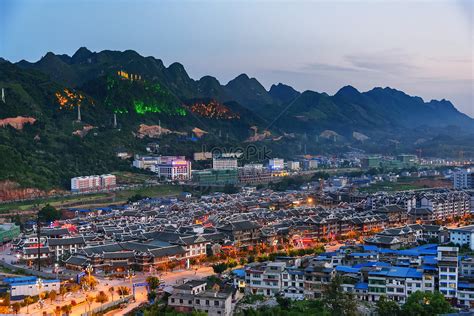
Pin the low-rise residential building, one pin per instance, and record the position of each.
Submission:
(463, 236)
(20, 287)
(193, 295)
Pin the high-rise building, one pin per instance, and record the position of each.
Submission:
(276, 164)
(173, 168)
(463, 179)
(220, 163)
(448, 270)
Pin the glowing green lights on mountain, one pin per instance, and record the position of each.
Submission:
(142, 108)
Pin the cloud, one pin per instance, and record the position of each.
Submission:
(312, 67)
(383, 62)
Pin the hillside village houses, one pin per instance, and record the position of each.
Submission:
(160, 234)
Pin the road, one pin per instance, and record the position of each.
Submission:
(170, 278)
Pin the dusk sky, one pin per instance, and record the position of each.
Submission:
(424, 48)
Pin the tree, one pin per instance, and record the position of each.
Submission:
(111, 291)
(27, 301)
(123, 291)
(57, 311)
(337, 301)
(219, 267)
(75, 288)
(89, 300)
(52, 296)
(385, 307)
(49, 213)
(90, 281)
(425, 304)
(67, 309)
(5, 299)
(153, 282)
(101, 298)
(16, 307)
(63, 291)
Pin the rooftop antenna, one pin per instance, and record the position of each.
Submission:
(3, 95)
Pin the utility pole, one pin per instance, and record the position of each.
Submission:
(79, 113)
(38, 232)
(115, 120)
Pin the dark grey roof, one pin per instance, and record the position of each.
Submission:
(54, 232)
(168, 251)
(78, 261)
(66, 241)
(239, 226)
(119, 255)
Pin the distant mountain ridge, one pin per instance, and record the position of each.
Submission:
(135, 90)
(381, 104)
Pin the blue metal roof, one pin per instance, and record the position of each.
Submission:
(361, 254)
(347, 269)
(430, 260)
(371, 264)
(398, 272)
(361, 286)
(26, 281)
(370, 248)
(239, 272)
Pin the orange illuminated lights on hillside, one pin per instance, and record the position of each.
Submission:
(68, 99)
(214, 110)
(125, 75)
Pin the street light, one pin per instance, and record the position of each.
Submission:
(131, 275)
(56, 266)
(39, 285)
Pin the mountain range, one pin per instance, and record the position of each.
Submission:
(118, 93)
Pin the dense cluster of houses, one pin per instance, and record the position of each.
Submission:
(366, 271)
(164, 233)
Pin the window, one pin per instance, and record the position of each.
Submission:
(172, 300)
(198, 302)
(216, 303)
(207, 302)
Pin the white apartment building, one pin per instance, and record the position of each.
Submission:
(448, 270)
(462, 236)
(293, 165)
(221, 163)
(265, 278)
(145, 162)
(463, 179)
(61, 246)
